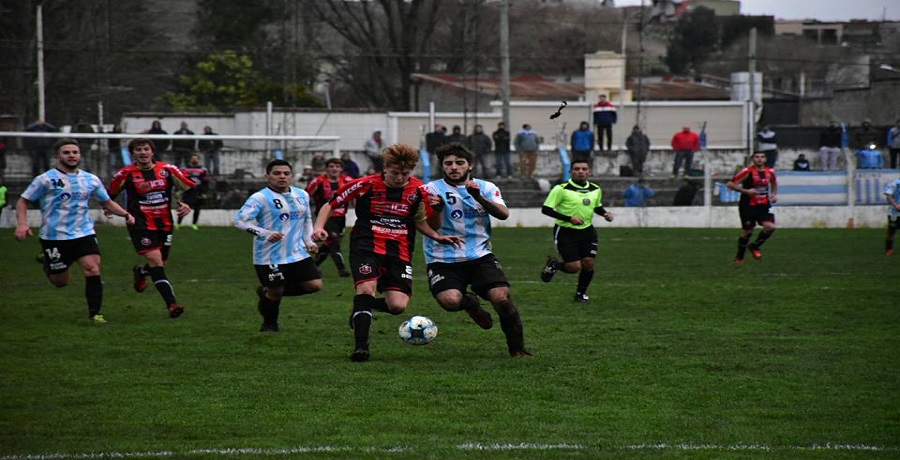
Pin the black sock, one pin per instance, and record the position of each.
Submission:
(584, 280)
(370, 303)
(93, 291)
(888, 245)
(511, 323)
(163, 285)
(196, 216)
(742, 246)
(763, 236)
(292, 290)
(361, 320)
(338, 260)
(269, 310)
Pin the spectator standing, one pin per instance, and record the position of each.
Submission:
(801, 163)
(212, 151)
(830, 146)
(480, 144)
(348, 166)
(767, 142)
(865, 136)
(893, 144)
(465, 206)
(638, 146)
(759, 190)
(79, 126)
(892, 195)
(183, 148)
(196, 196)
(573, 204)
(39, 146)
(390, 207)
(456, 136)
(373, 148)
(527, 144)
(869, 158)
(637, 193)
(433, 141)
(160, 145)
(604, 118)
(280, 219)
(582, 142)
(67, 232)
(684, 143)
(501, 139)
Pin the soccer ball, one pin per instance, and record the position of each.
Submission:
(418, 330)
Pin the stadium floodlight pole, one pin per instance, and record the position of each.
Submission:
(39, 27)
(504, 60)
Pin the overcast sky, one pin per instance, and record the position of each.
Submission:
(823, 10)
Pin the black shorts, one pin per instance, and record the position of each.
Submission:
(752, 215)
(280, 275)
(575, 244)
(482, 274)
(894, 222)
(145, 241)
(392, 273)
(192, 197)
(60, 254)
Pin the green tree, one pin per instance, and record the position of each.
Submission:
(228, 80)
(694, 39)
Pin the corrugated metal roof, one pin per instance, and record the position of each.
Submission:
(543, 88)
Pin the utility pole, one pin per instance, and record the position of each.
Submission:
(42, 111)
(504, 60)
(751, 79)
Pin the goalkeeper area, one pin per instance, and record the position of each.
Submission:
(679, 354)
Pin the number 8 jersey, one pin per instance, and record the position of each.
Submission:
(287, 213)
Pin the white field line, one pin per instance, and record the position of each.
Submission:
(662, 446)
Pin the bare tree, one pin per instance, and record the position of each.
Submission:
(386, 38)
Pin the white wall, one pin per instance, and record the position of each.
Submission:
(663, 217)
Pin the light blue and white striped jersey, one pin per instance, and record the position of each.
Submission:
(893, 189)
(464, 217)
(288, 213)
(64, 200)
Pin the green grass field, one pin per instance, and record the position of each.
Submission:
(678, 355)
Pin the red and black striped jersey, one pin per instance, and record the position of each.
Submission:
(753, 178)
(385, 216)
(322, 190)
(148, 193)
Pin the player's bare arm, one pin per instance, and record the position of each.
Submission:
(319, 232)
(496, 210)
(111, 207)
(423, 228)
(22, 229)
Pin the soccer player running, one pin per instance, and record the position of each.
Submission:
(321, 190)
(198, 173)
(759, 190)
(573, 205)
(282, 242)
(149, 185)
(465, 206)
(390, 207)
(892, 195)
(67, 231)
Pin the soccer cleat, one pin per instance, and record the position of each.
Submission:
(738, 261)
(519, 353)
(549, 269)
(175, 310)
(360, 354)
(582, 298)
(757, 254)
(343, 273)
(889, 252)
(98, 319)
(266, 327)
(140, 279)
(177, 226)
(195, 227)
(481, 316)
